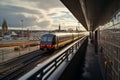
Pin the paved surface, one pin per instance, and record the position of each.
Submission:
(92, 69)
(8, 53)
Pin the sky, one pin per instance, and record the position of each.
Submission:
(37, 15)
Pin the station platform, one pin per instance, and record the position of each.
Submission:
(84, 66)
(92, 69)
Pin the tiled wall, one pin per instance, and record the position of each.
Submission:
(109, 45)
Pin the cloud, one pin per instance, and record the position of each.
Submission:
(46, 4)
(43, 24)
(36, 14)
(14, 14)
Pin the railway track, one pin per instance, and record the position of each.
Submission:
(26, 63)
(21, 65)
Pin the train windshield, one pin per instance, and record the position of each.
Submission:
(47, 39)
(44, 39)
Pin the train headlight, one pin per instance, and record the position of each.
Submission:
(50, 46)
(42, 45)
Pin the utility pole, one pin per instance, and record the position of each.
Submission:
(22, 28)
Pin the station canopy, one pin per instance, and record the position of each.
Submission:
(92, 13)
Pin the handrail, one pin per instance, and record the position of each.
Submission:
(44, 72)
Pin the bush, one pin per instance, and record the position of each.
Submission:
(16, 48)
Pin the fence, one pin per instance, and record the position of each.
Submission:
(46, 70)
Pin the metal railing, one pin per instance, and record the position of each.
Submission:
(46, 70)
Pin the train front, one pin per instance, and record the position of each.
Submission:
(47, 42)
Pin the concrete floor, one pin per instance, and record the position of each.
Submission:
(91, 69)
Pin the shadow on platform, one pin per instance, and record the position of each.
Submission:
(84, 65)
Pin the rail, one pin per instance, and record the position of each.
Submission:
(45, 71)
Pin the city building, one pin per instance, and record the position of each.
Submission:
(4, 28)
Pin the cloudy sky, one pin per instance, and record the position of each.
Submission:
(36, 14)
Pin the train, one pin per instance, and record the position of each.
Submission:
(53, 41)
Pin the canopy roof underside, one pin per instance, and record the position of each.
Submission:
(92, 13)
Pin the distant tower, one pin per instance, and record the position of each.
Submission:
(59, 27)
(4, 28)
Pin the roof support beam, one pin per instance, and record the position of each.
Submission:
(85, 13)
